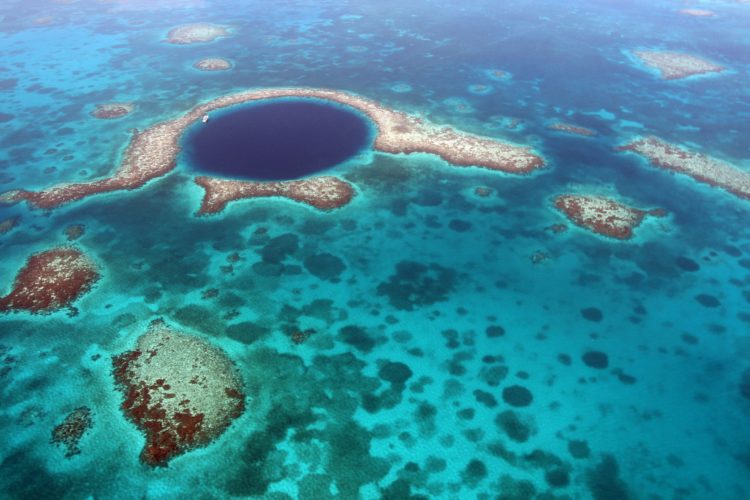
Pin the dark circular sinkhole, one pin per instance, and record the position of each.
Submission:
(276, 140)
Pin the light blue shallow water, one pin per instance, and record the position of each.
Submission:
(424, 272)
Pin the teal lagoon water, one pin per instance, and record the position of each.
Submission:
(458, 348)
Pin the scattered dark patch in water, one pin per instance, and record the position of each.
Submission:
(325, 266)
(604, 481)
(517, 396)
(485, 398)
(395, 372)
(745, 384)
(474, 472)
(278, 248)
(416, 285)
(246, 332)
(687, 264)
(592, 314)
(595, 359)
(494, 331)
(579, 449)
(513, 426)
(459, 225)
(707, 300)
(357, 337)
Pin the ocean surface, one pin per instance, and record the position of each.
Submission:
(455, 346)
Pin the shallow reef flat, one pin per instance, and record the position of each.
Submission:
(51, 280)
(213, 64)
(677, 65)
(699, 166)
(604, 216)
(196, 33)
(322, 192)
(181, 391)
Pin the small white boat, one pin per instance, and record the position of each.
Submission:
(205, 118)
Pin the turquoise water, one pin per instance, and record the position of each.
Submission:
(418, 270)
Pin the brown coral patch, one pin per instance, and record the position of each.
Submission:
(602, 215)
(51, 280)
(324, 193)
(112, 110)
(181, 391)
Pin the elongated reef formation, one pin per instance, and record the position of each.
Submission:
(51, 280)
(697, 12)
(152, 153)
(181, 391)
(701, 167)
(572, 129)
(324, 193)
(676, 65)
(602, 215)
(196, 33)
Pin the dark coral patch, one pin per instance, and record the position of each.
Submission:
(325, 266)
(595, 359)
(604, 481)
(459, 225)
(428, 198)
(518, 396)
(246, 332)
(579, 449)
(416, 285)
(557, 477)
(745, 384)
(687, 264)
(707, 300)
(357, 337)
(494, 331)
(395, 372)
(72, 429)
(513, 426)
(485, 398)
(474, 472)
(278, 248)
(592, 314)
(494, 374)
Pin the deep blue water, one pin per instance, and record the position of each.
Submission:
(433, 320)
(289, 139)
